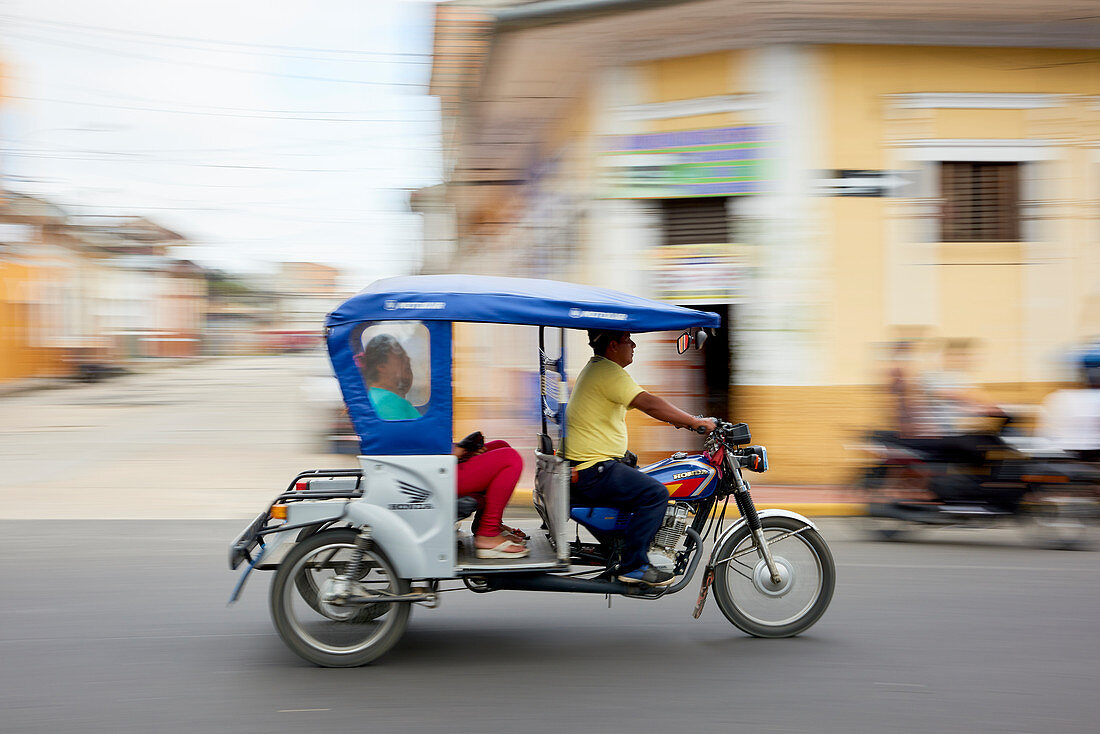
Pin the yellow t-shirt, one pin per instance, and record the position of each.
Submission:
(595, 417)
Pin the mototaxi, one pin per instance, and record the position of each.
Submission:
(355, 549)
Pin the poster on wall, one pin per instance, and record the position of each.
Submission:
(698, 274)
(726, 161)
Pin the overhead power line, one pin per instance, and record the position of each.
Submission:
(178, 105)
(197, 64)
(203, 113)
(358, 169)
(209, 41)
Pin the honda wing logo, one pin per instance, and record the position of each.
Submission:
(418, 497)
(416, 494)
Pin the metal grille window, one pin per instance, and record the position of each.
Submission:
(701, 221)
(981, 202)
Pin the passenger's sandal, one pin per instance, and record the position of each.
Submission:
(500, 552)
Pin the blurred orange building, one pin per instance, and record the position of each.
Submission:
(822, 174)
(85, 294)
(37, 272)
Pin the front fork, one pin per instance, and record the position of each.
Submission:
(747, 508)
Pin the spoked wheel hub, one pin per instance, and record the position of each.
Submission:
(337, 613)
(762, 577)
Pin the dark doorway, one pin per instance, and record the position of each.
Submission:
(717, 363)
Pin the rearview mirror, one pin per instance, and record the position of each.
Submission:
(689, 339)
(683, 342)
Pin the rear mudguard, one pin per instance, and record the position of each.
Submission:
(741, 523)
(405, 550)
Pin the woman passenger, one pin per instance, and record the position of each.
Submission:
(491, 470)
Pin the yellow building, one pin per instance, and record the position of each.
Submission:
(825, 179)
(36, 276)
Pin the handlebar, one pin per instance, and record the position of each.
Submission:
(721, 426)
(700, 430)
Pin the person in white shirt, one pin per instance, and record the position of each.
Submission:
(1070, 419)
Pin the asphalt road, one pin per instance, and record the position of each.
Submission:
(122, 626)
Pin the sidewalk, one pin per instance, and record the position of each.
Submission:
(136, 367)
(821, 501)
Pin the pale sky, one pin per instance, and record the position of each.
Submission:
(263, 130)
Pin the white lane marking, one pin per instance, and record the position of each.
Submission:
(296, 711)
(134, 637)
(905, 685)
(954, 567)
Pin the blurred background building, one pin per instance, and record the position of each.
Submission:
(82, 296)
(826, 176)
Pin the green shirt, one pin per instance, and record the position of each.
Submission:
(392, 407)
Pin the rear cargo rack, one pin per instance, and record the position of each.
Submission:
(291, 495)
(294, 495)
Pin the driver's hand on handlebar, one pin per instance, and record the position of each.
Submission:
(704, 425)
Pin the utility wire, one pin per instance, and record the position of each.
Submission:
(201, 113)
(205, 107)
(217, 67)
(144, 38)
(198, 165)
(166, 37)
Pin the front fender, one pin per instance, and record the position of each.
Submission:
(742, 521)
(408, 554)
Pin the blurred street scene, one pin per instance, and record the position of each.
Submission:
(893, 207)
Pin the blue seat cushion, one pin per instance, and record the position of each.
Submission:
(606, 519)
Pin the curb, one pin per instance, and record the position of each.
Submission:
(32, 384)
(811, 509)
(807, 509)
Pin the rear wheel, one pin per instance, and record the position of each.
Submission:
(744, 589)
(308, 582)
(330, 635)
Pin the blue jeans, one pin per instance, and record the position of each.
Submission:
(613, 484)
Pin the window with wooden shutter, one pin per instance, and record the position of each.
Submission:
(981, 201)
(701, 221)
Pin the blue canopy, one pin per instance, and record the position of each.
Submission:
(495, 300)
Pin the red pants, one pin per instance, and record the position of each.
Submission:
(493, 474)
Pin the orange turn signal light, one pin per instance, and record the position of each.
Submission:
(278, 512)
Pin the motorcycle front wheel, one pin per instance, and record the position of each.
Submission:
(1061, 520)
(744, 590)
(329, 635)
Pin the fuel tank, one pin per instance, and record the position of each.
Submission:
(686, 476)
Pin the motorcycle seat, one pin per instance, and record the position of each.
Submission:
(602, 518)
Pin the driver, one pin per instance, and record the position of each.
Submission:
(597, 444)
